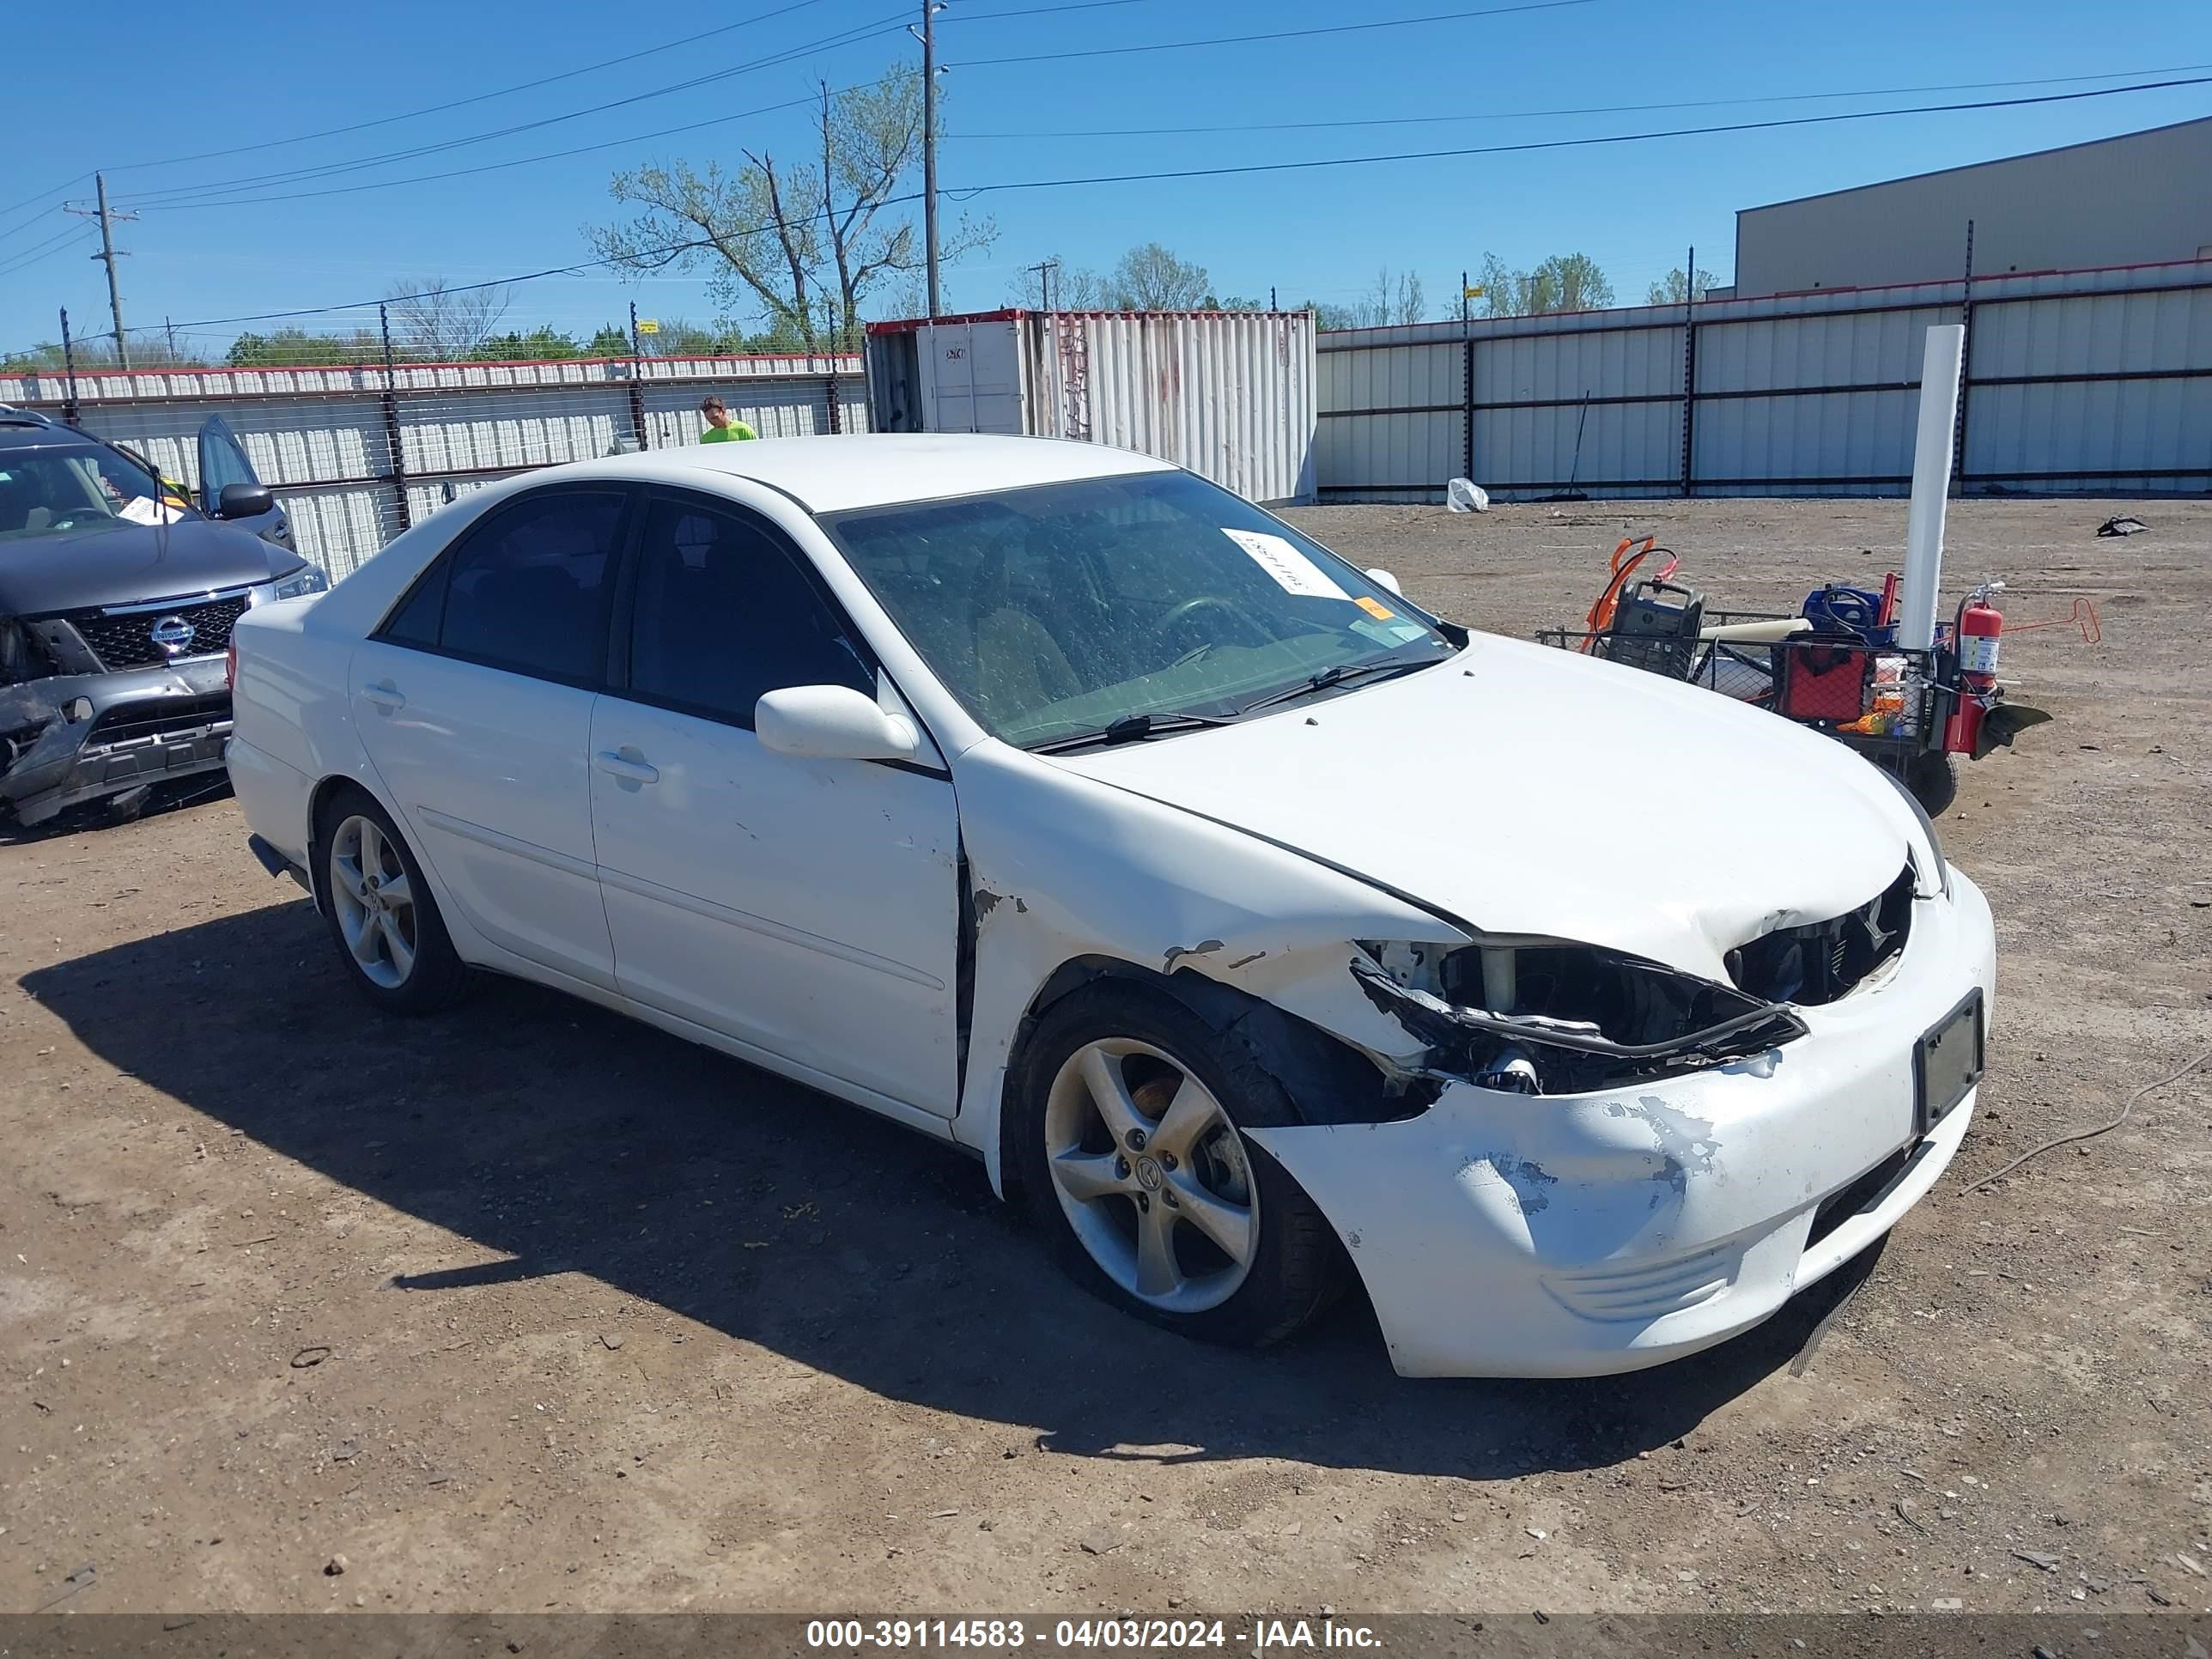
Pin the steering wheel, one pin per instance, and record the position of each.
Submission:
(1174, 619)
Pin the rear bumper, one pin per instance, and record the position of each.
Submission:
(78, 738)
(1499, 1235)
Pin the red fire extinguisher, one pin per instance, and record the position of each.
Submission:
(1976, 637)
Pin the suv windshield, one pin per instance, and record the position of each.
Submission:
(47, 489)
(1066, 608)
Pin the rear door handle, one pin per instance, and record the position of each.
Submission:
(621, 766)
(385, 695)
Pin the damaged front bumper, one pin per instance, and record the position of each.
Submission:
(70, 738)
(1506, 1234)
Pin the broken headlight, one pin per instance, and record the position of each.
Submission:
(1553, 1017)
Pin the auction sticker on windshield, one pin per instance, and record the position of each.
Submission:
(1293, 572)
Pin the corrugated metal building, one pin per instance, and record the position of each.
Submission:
(2139, 198)
(1227, 394)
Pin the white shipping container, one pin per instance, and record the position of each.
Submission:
(1230, 395)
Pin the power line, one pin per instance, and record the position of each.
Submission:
(1573, 143)
(207, 195)
(1588, 109)
(75, 236)
(487, 166)
(1271, 34)
(462, 103)
(675, 249)
(884, 26)
(887, 25)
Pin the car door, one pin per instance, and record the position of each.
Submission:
(222, 461)
(474, 702)
(805, 909)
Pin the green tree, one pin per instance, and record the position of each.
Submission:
(1565, 282)
(294, 347)
(611, 341)
(1149, 277)
(1674, 288)
(544, 344)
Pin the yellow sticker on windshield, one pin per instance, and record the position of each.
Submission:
(1375, 608)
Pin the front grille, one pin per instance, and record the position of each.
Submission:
(1824, 960)
(125, 639)
(157, 717)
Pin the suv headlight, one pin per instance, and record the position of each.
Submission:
(308, 578)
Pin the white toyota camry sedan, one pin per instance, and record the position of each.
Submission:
(1255, 928)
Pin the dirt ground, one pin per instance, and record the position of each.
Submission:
(529, 1308)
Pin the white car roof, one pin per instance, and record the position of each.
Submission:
(831, 474)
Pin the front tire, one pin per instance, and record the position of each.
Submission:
(381, 912)
(1130, 1109)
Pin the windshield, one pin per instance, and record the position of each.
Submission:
(1060, 610)
(49, 489)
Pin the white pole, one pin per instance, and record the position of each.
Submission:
(1931, 486)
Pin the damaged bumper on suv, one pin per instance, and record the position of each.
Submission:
(70, 738)
(1583, 1196)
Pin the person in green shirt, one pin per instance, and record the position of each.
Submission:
(720, 429)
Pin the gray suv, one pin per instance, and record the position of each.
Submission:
(117, 598)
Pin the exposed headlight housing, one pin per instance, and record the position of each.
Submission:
(308, 578)
(1552, 1017)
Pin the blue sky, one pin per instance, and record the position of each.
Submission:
(272, 71)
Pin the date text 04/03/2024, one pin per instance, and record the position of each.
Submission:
(1010, 1635)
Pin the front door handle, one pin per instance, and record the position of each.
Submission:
(385, 695)
(625, 768)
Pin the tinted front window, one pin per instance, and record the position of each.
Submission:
(528, 588)
(1058, 609)
(724, 613)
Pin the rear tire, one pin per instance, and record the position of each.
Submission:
(1129, 1109)
(1933, 780)
(382, 915)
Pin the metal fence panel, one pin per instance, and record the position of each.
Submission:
(2076, 380)
(323, 439)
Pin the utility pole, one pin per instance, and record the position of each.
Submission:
(1044, 268)
(929, 10)
(109, 256)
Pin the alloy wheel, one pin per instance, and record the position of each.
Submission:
(375, 901)
(1151, 1174)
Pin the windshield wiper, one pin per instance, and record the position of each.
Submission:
(1129, 728)
(1342, 674)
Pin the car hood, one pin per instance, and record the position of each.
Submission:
(1528, 790)
(122, 564)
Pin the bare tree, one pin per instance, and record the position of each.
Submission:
(431, 320)
(735, 225)
(803, 244)
(1072, 288)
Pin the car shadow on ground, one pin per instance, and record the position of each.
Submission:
(567, 1139)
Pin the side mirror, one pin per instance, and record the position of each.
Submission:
(831, 722)
(243, 501)
(1384, 579)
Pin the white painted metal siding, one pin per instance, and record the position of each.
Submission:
(2085, 381)
(320, 437)
(1230, 395)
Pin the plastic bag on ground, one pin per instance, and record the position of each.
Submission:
(1464, 496)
